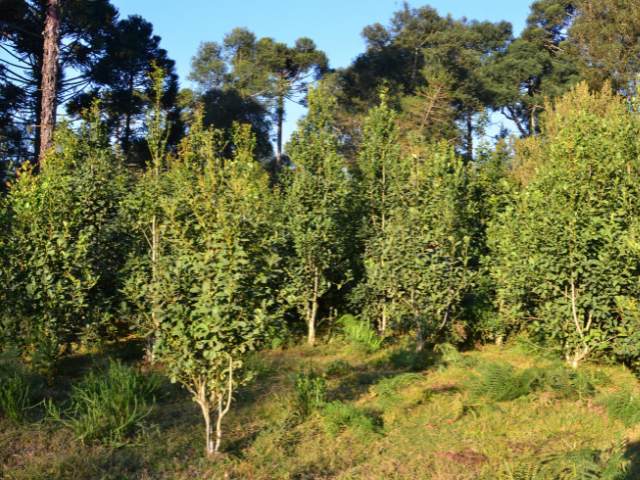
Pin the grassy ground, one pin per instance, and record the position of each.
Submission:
(390, 416)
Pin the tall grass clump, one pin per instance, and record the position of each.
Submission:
(311, 389)
(110, 405)
(15, 397)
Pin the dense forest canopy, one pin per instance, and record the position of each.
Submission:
(181, 219)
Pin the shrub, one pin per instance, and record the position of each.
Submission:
(109, 405)
(564, 250)
(58, 249)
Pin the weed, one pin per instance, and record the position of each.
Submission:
(450, 354)
(568, 383)
(311, 389)
(582, 464)
(15, 398)
(109, 406)
(501, 382)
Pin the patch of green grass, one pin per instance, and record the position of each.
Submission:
(373, 420)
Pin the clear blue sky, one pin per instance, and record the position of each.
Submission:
(334, 25)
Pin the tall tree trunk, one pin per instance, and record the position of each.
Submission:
(470, 135)
(280, 115)
(38, 115)
(49, 77)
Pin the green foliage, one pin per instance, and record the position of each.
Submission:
(319, 204)
(561, 249)
(205, 297)
(338, 416)
(410, 359)
(15, 397)
(417, 249)
(624, 407)
(59, 245)
(109, 405)
(579, 464)
(311, 389)
(502, 382)
(387, 386)
(338, 368)
(360, 334)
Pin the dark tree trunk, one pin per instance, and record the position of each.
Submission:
(280, 115)
(49, 77)
(469, 135)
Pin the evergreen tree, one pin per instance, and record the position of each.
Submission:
(83, 27)
(123, 82)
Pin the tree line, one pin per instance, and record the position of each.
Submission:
(211, 246)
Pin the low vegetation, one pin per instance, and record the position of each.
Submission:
(496, 413)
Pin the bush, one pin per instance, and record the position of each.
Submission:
(564, 251)
(109, 405)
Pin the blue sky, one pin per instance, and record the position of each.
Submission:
(334, 25)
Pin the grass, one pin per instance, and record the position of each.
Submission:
(383, 418)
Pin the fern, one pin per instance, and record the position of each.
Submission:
(624, 407)
(576, 465)
(387, 386)
(360, 333)
(338, 416)
(501, 382)
(450, 354)
(570, 384)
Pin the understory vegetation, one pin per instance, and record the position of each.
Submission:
(374, 302)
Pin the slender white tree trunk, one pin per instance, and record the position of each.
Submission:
(314, 309)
